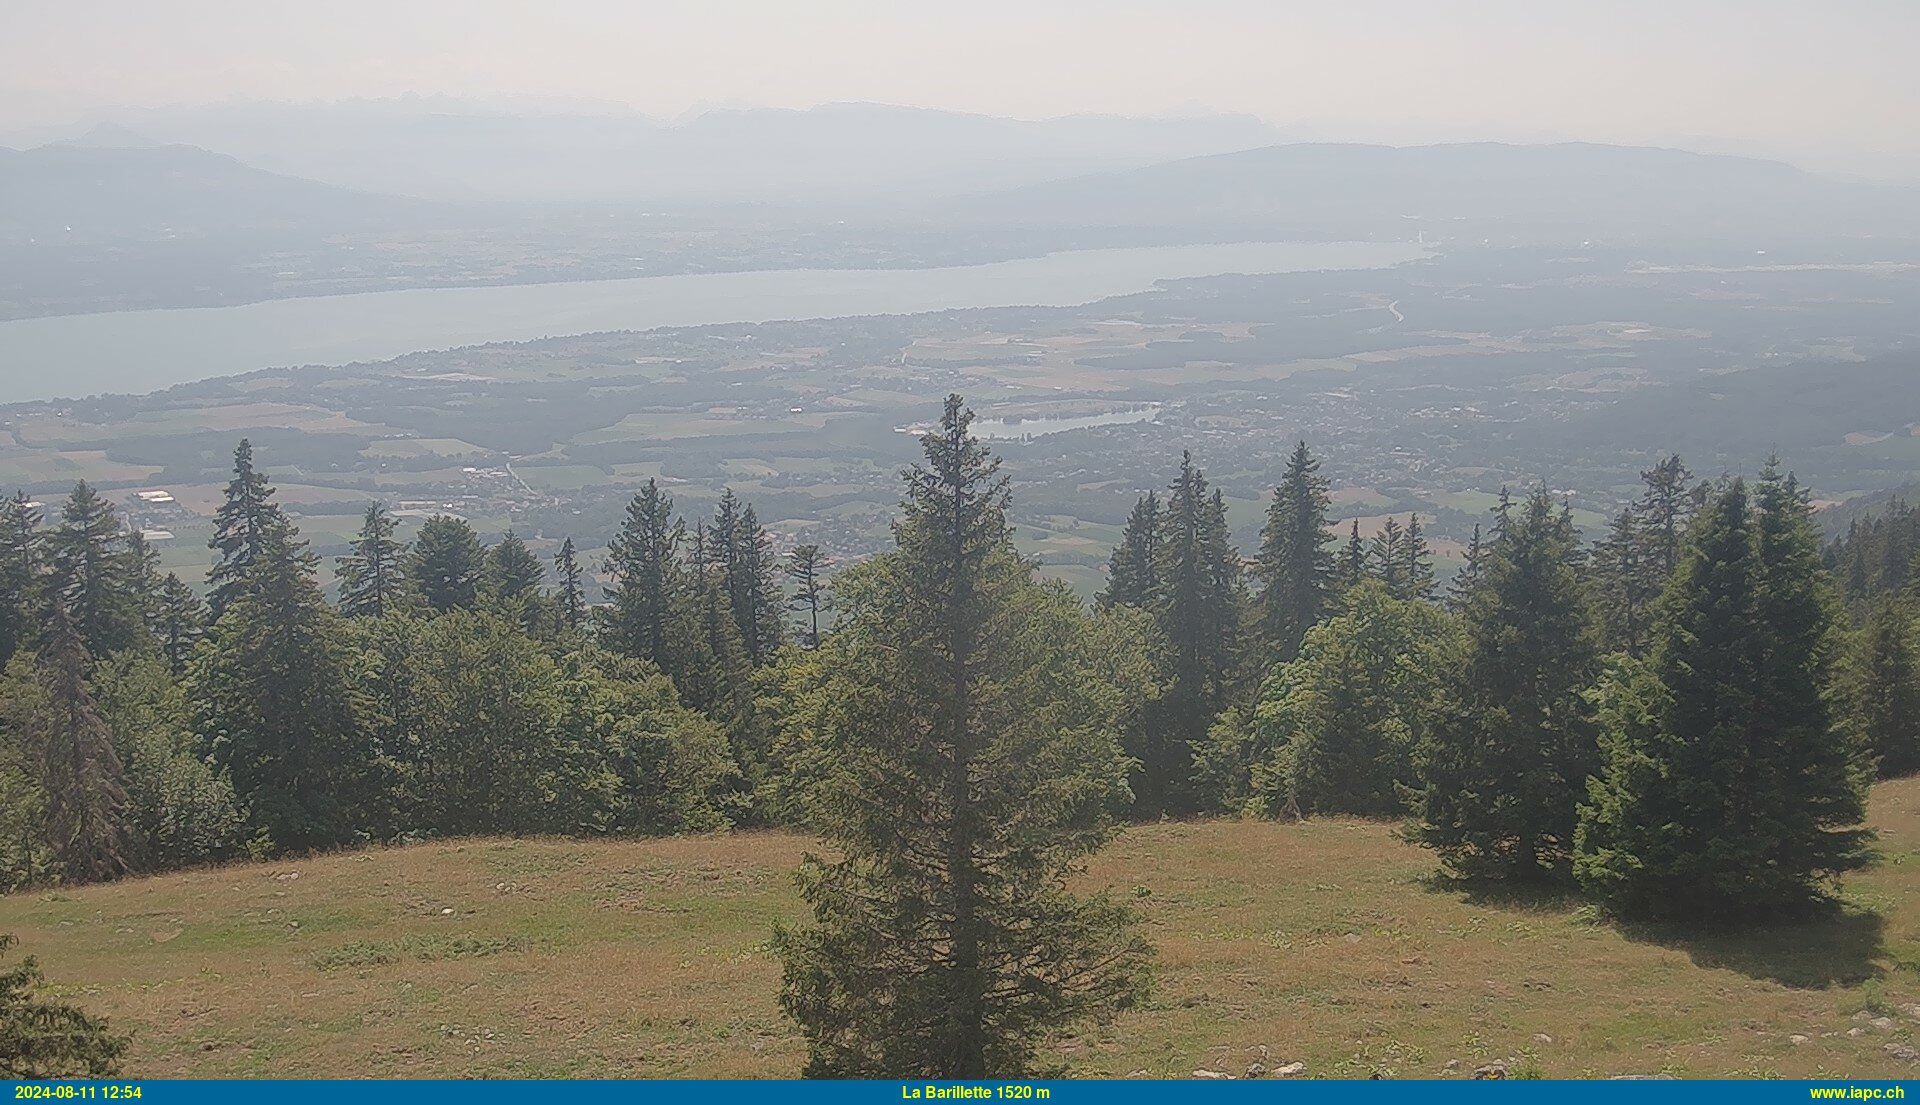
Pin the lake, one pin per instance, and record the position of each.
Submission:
(142, 351)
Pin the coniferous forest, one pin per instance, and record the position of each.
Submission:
(1678, 720)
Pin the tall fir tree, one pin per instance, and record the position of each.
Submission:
(1416, 571)
(1881, 685)
(1620, 583)
(1352, 566)
(272, 697)
(807, 567)
(1666, 505)
(514, 581)
(82, 780)
(642, 561)
(1727, 792)
(1387, 557)
(373, 573)
(572, 594)
(181, 623)
(20, 567)
(446, 564)
(91, 572)
(1198, 608)
(1133, 576)
(1472, 570)
(1503, 770)
(247, 521)
(1295, 566)
(976, 764)
(753, 588)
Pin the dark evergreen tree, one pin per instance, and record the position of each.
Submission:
(182, 622)
(1133, 577)
(1503, 770)
(373, 574)
(1620, 584)
(1387, 558)
(446, 564)
(92, 575)
(806, 566)
(642, 562)
(976, 763)
(1666, 506)
(82, 781)
(20, 568)
(1198, 609)
(1295, 566)
(272, 698)
(1352, 566)
(1881, 687)
(1727, 793)
(1416, 572)
(572, 596)
(1472, 571)
(752, 582)
(41, 1038)
(515, 582)
(247, 521)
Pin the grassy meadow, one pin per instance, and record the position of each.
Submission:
(1328, 943)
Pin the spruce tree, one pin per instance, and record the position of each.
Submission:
(1727, 794)
(92, 574)
(514, 581)
(1352, 566)
(446, 564)
(1666, 505)
(572, 595)
(1133, 577)
(82, 780)
(1416, 571)
(1620, 583)
(1387, 558)
(1472, 571)
(1503, 771)
(372, 575)
(1295, 566)
(42, 1038)
(642, 562)
(243, 526)
(20, 567)
(1198, 608)
(272, 697)
(975, 764)
(806, 566)
(753, 588)
(1881, 685)
(182, 621)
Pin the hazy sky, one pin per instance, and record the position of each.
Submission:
(1776, 74)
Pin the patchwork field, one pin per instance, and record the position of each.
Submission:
(1328, 943)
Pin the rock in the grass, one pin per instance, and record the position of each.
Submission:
(1884, 1024)
(1136, 1074)
(1906, 1053)
(1490, 1072)
(1856, 1032)
(1289, 1070)
(1451, 1064)
(1542, 1038)
(1912, 1009)
(1797, 1039)
(1256, 1070)
(1212, 1074)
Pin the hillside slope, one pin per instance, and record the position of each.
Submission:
(1327, 943)
(1469, 192)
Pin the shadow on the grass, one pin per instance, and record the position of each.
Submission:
(1826, 944)
(1832, 945)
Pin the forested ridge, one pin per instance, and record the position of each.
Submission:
(1679, 719)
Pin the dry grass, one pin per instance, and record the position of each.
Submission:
(1328, 942)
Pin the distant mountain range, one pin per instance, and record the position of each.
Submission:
(1474, 191)
(840, 153)
(94, 192)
